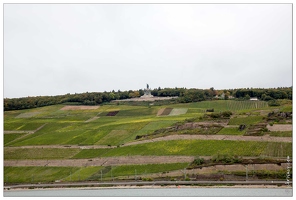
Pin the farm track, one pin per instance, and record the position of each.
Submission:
(265, 138)
(27, 131)
(107, 161)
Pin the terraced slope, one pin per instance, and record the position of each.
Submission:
(115, 135)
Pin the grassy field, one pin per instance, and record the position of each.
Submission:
(93, 173)
(72, 126)
(245, 120)
(11, 137)
(230, 131)
(162, 148)
(95, 127)
(36, 174)
(138, 170)
(39, 153)
(199, 147)
(281, 133)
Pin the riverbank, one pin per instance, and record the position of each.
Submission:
(156, 191)
(155, 187)
(154, 184)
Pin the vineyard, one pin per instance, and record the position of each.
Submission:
(120, 131)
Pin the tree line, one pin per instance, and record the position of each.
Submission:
(185, 96)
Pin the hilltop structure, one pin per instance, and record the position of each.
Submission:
(147, 93)
(147, 96)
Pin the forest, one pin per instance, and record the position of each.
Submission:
(185, 96)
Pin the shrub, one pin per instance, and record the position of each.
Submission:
(225, 158)
(273, 103)
(214, 115)
(147, 179)
(198, 161)
(226, 114)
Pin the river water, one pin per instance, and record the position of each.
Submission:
(152, 192)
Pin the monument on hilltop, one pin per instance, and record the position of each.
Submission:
(147, 92)
(148, 96)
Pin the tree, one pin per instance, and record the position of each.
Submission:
(134, 94)
(226, 95)
(111, 95)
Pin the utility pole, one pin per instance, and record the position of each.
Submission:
(184, 172)
(246, 172)
(111, 173)
(101, 175)
(135, 174)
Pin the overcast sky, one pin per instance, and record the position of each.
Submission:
(52, 49)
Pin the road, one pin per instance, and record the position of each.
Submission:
(144, 183)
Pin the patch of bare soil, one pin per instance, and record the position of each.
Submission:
(27, 114)
(160, 112)
(280, 127)
(80, 107)
(192, 125)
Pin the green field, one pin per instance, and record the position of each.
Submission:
(71, 126)
(281, 134)
(132, 170)
(245, 120)
(93, 173)
(36, 174)
(95, 127)
(162, 148)
(39, 153)
(230, 131)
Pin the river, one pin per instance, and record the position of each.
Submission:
(152, 192)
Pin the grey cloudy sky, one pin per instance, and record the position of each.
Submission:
(52, 49)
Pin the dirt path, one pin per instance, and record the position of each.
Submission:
(65, 147)
(137, 160)
(108, 161)
(27, 131)
(266, 138)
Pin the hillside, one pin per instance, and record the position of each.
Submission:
(147, 141)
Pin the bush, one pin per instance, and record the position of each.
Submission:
(273, 103)
(226, 114)
(215, 115)
(198, 161)
(147, 179)
(225, 158)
